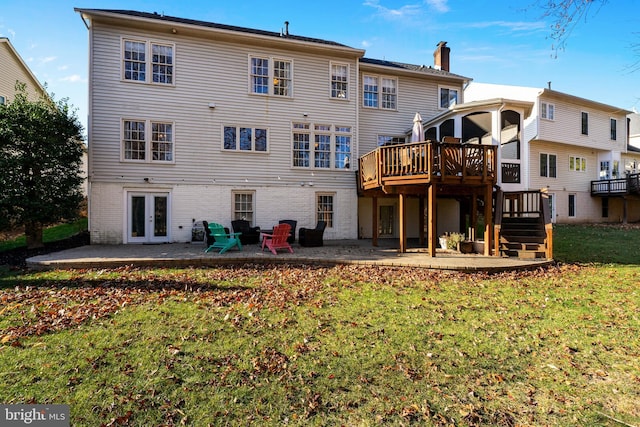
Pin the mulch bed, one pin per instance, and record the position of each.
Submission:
(18, 257)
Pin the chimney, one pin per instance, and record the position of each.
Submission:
(286, 28)
(441, 57)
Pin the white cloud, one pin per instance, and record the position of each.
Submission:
(366, 43)
(63, 67)
(439, 5)
(47, 59)
(510, 25)
(400, 13)
(74, 78)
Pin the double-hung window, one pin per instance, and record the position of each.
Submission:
(547, 111)
(585, 123)
(548, 165)
(339, 81)
(321, 146)
(370, 92)
(342, 147)
(243, 205)
(245, 138)
(448, 97)
(147, 62)
(147, 141)
(271, 76)
(324, 208)
(613, 124)
(380, 92)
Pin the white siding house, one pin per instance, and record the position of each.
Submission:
(13, 69)
(567, 143)
(191, 121)
(196, 121)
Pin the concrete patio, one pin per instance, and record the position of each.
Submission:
(333, 252)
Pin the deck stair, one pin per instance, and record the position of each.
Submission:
(523, 226)
(523, 237)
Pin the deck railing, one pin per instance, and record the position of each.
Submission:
(620, 186)
(428, 161)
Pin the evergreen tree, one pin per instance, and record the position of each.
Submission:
(41, 149)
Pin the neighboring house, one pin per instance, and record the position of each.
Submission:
(13, 69)
(192, 121)
(561, 144)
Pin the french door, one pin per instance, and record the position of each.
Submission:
(147, 217)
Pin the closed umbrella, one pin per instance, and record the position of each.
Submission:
(417, 134)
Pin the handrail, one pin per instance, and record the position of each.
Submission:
(628, 185)
(437, 161)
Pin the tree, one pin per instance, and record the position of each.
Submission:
(565, 15)
(41, 149)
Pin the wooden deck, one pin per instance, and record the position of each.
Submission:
(428, 162)
(616, 187)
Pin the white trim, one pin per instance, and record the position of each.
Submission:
(346, 95)
(149, 237)
(148, 43)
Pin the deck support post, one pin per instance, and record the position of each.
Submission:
(488, 220)
(431, 219)
(421, 220)
(403, 228)
(374, 221)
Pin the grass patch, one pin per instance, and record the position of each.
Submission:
(49, 234)
(346, 345)
(596, 243)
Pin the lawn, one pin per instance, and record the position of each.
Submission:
(344, 345)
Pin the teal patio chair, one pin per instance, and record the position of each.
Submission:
(221, 240)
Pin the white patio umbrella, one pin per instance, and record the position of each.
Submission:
(417, 134)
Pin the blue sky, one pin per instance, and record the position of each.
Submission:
(491, 41)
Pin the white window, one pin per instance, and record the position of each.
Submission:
(448, 97)
(389, 93)
(324, 208)
(271, 76)
(370, 91)
(613, 124)
(380, 92)
(339, 81)
(343, 147)
(321, 146)
(245, 138)
(577, 164)
(243, 205)
(301, 146)
(547, 111)
(548, 165)
(147, 62)
(391, 140)
(605, 170)
(147, 141)
(572, 205)
(3, 100)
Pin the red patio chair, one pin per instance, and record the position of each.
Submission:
(278, 239)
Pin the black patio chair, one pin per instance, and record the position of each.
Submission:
(249, 234)
(311, 237)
